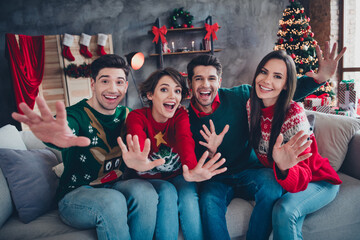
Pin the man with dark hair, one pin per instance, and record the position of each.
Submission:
(224, 109)
(90, 192)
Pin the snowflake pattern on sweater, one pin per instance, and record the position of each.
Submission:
(315, 168)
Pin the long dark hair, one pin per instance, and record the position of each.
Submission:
(282, 104)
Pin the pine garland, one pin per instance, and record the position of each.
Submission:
(75, 71)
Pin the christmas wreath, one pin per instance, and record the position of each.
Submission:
(181, 18)
(75, 71)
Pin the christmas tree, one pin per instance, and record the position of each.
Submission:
(295, 36)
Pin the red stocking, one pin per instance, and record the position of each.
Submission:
(84, 44)
(67, 42)
(102, 38)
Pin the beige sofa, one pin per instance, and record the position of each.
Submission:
(338, 139)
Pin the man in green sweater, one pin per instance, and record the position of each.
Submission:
(224, 109)
(90, 192)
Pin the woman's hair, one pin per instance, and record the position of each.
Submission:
(282, 104)
(150, 83)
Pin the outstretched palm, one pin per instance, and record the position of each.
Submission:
(288, 155)
(47, 128)
(135, 158)
(204, 171)
(213, 140)
(327, 62)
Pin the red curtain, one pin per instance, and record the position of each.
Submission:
(26, 60)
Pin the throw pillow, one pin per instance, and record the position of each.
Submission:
(32, 182)
(333, 134)
(9, 138)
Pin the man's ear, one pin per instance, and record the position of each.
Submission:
(220, 80)
(92, 84)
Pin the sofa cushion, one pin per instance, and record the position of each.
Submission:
(9, 138)
(31, 181)
(333, 134)
(48, 226)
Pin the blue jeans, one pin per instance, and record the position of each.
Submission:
(125, 211)
(177, 196)
(252, 184)
(290, 211)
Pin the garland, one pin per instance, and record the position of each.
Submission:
(75, 71)
(184, 17)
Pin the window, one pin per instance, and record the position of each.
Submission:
(350, 32)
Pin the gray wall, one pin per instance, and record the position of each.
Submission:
(248, 32)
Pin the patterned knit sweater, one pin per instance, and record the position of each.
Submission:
(315, 168)
(101, 161)
(171, 140)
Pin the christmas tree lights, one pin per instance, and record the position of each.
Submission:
(295, 36)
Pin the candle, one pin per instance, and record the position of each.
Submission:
(173, 46)
(193, 45)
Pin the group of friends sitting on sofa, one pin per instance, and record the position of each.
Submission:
(137, 174)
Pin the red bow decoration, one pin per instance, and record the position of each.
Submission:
(323, 97)
(211, 29)
(159, 32)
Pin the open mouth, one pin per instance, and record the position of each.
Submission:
(205, 93)
(169, 106)
(111, 97)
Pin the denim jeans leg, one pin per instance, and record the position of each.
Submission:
(100, 208)
(167, 222)
(261, 186)
(291, 209)
(142, 200)
(215, 196)
(188, 203)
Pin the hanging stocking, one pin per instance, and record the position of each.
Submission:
(68, 42)
(102, 38)
(84, 44)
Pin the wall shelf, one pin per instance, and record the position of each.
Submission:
(181, 53)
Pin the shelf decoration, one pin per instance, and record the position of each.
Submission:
(181, 19)
(211, 30)
(75, 71)
(159, 33)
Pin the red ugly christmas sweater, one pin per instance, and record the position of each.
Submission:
(316, 168)
(171, 140)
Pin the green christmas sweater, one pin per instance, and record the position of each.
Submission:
(101, 161)
(235, 147)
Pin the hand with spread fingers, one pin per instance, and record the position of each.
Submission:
(213, 140)
(135, 158)
(288, 155)
(327, 62)
(47, 128)
(204, 171)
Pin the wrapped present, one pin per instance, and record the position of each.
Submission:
(347, 85)
(323, 109)
(341, 112)
(314, 101)
(347, 96)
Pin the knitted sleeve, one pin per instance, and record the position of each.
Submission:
(185, 144)
(299, 175)
(135, 125)
(305, 86)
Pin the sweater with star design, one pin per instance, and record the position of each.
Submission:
(101, 161)
(171, 140)
(315, 168)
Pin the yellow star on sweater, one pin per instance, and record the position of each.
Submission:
(160, 139)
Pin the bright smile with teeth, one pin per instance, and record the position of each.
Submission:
(111, 97)
(205, 93)
(264, 88)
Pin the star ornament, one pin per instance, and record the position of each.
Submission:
(160, 139)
